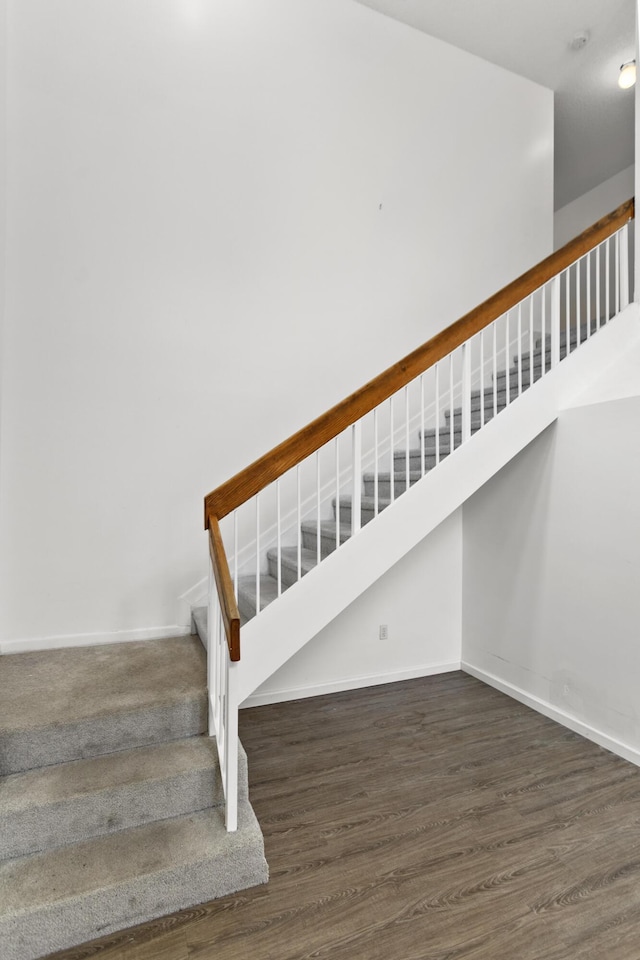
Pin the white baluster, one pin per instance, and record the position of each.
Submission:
(257, 554)
(607, 277)
(375, 462)
(618, 271)
(507, 361)
(318, 506)
(337, 510)
(451, 405)
(589, 294)
(422, 425)
(578, 305)
(520, 350)
(235, 553)
(494, 368)
(482, 379)
(392, 485)
(567, 290)
(407, 440)
(555, 321)
(466, 391)
(598, 271)
(279, 535)
(299, 522)
(437, 415)
(356, 473)
(543, 330)
(624, 267)
(531, 343)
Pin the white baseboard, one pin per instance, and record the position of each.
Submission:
(618, 747)
(354, 683)
(34, 644)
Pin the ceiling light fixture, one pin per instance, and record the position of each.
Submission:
(627, 76)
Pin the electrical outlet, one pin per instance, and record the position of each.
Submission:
(384, 631)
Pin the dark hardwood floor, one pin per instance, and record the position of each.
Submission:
(433, 819)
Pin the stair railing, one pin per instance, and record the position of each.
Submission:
(304, 498)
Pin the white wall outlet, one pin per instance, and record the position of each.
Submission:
(384, 631)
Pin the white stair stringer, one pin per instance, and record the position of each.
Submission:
(286, 625)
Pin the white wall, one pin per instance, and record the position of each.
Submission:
(571, 220)
(3, 185)
(551, 568)
(222, 218)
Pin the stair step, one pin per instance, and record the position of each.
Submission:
(444, 442)
(289, 564)
(75, 703)
(247, 595)
(62, 897)
(513, 378)
(73, 801)
(367, 507)
(399, 481)
(573, 337)
(476, 420)
(327, 536)
(537, 360)
(429, 458)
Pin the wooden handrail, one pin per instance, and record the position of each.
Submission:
(228, 605)
(302, 444)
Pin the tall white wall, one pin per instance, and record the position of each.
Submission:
(551, 568)
(222, 218)
(571, 220)
(3, 185)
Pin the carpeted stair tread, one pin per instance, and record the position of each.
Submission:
(327, 535)
(74, 893)
(289, 564)
(399, 476)
(73, 703)
(247, 595)
(573, 336)
(327, 529)
(70, 802)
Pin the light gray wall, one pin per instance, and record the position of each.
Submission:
(222, 218)
(551, 567)
(3, 187)
(571, 220)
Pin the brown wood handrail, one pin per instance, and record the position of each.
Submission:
(226, 595)
(302, 444)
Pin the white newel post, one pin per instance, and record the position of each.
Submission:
(222, 702)
(231, 748)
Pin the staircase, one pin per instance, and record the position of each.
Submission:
(111, 802)
(525, 370)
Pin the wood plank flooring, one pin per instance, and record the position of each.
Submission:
(434, 819)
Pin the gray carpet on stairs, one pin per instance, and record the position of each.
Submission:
(81, 702)
(90, 889)
(111, 802)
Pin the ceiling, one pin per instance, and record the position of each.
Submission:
(594, 119)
